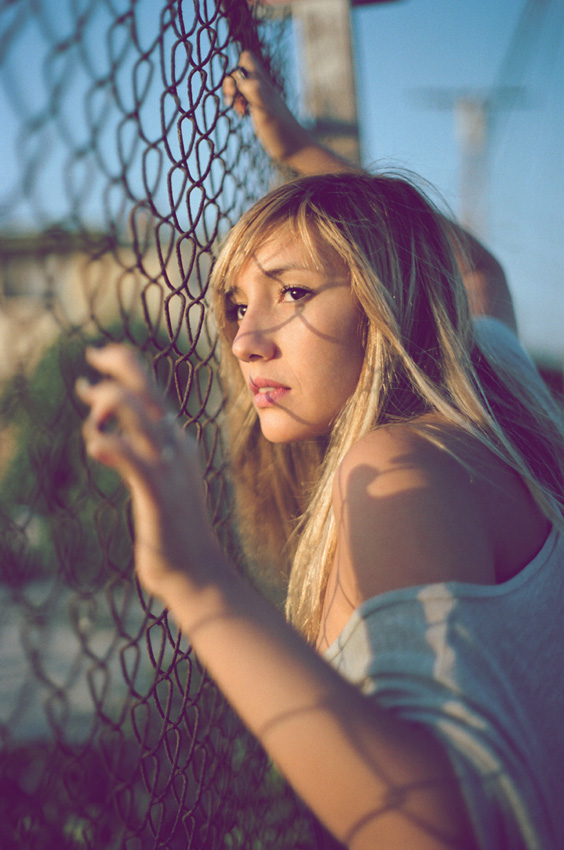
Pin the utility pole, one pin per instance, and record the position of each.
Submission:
(475, 114)
(323, 32)
(325, 54)
(471, 116)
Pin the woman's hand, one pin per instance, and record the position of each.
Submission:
(249, 88)
(129, 430)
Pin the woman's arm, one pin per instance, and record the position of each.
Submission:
(249, 88)
(373, 779)
(286, 141)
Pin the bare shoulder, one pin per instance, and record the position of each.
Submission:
(407, 513)
(410, 511)
(398, 458)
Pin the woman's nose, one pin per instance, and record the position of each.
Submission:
(252, 342)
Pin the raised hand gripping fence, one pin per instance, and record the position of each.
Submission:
(121, 170)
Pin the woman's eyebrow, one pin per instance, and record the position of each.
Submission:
(284, 267)
(275, 273)
(280, 271)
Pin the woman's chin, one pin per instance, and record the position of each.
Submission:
(294, 432)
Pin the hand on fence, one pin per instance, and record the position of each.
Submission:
(249, 88)
(129, 430)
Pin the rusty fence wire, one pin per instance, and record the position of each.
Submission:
(121, 169)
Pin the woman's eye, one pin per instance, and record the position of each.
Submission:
(295, 293)
(235, 312)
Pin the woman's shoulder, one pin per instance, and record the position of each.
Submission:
(400, 519)
(437, 504)
(429, 450)
(423, 503)
(408, 509)
(404, 453)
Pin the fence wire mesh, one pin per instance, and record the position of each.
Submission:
(121, 170)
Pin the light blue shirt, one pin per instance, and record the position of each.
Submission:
(483, 668)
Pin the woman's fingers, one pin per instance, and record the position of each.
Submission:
(249, 64)
(232, 96)
(121, 363)
(129, 430)
(248, 85)
(128, 423)
(115, 430)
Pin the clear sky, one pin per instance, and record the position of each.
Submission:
(404, 47)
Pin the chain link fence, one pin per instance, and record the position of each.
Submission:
(121, 171)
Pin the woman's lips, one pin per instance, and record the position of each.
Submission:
(267, 393)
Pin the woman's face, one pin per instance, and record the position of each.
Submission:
(298, 337)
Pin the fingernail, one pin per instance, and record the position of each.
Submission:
(93, 351)
(82, 385)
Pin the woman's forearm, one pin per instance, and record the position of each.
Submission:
(313, 158)
(371, 778)
(283, 137)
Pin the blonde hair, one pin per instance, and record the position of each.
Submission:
(420, 356)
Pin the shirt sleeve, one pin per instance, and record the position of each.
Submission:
(404, 650)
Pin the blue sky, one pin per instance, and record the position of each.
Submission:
(411, 45)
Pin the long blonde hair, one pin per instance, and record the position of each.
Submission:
(420, 357)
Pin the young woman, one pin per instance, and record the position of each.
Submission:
(406, 465)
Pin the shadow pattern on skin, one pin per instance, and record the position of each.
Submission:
(298, 315)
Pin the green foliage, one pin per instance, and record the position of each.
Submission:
(58, 513)
(50, 799)
(264, 805)
(62, 516)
